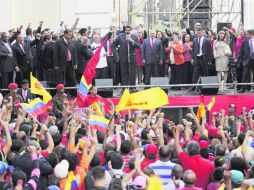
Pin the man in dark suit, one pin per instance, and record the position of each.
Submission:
(23, 57)
(201, 56)
(112, 58)
(127, 44)
(65, 58)
(152, 56)
(246, 58)
(7, 65)
(83, 55)
(25, 92)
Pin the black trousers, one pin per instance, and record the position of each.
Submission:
(112, 69)
(180, 74)
(188, 72)
(101, 73)
(22, 75)
(6, 79)
(152, 69)
(247, 69)
(128, 71)
(70, 76)
(200, 69)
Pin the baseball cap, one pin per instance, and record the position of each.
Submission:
(203, 144)
(61, 169)
(152, 149)
(140, 182)
(232, 105)
(237, 177)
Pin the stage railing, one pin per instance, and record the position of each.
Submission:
(235, 85)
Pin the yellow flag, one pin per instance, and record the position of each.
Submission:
(144, 99)
(37, 88)
(155, 184)
(201, 111)
(95, 106)
(124, 99)
(210, 105)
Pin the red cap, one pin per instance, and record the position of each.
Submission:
(152, 149)
(203, 144)
(59, 86)
(13, 86)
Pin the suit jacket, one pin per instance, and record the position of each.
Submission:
(83, 55)
(29, 96)
(49, 55)
(244, 55)
(206, 50)
(60, 54)
(123, 43)
(7, 64)
(152, 55)
(24, 60)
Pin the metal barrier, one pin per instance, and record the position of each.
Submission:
(235, 84)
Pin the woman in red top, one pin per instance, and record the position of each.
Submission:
(175, 54)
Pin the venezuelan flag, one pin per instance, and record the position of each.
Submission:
(88, 75)
(35, 107)
(99, 123)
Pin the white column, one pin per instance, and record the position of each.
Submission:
(5, 15)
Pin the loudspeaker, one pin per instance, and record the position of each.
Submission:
(104, 92)
(220, 25)
(157, 81)
(209, 89)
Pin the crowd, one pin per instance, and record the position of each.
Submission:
(129, 57)
(61, 150)
(143, 149)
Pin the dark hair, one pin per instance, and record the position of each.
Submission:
(218, 174)
(131, 163)
(128, 26)
(238, 163)
(125, 147)
(193, 148)
(115, 184)
(67, 31)
(219, 161)
(165, 152)
(29, 31)
(52, 159)
(82, 131)
(77, 137)
(98, 173)
(250, 31)
(109, 155)
(204, 153)
(241, 138)
(46, 37)
(95, 161)
(25, 81)
(117, 161)
(17, 175)
(100, 137)
(73, 161)
(57, 138)
(82, 31)
(144, 134)
(17, 144)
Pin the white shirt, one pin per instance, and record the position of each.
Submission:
(103, 60)
(201, 45)
(24, 94)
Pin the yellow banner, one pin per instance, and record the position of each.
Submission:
(210, 105)
(37, 88)
(144, 99)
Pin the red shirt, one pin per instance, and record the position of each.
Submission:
(146, 162)
(203, 168)
(91, 99)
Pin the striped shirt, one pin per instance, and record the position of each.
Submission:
(163, 170)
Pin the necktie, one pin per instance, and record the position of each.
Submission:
(251, 46)
(152, 43)
(22, 47)
(110, 49)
